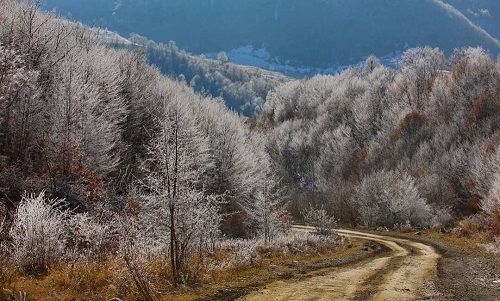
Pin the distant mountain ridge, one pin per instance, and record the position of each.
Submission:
(298, 33)
(485, 13)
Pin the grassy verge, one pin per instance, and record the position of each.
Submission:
(471, 243)
(108, 279)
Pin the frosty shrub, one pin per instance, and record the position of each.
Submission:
(491, 206)
(39, 232)
(441, 218)
(242, 250)
(320, 219)
(391, 198)
(247, 252)
(89, 236)
(299, 242)
(492, 202)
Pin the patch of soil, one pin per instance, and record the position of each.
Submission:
(462, 275)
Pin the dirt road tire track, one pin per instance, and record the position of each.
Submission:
(401, 275)
(462, 275)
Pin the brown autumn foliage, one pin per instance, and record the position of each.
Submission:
(411, 122)
(484, 105)
(458, 70)
(69, 166)
(421, 170)
(475, 202)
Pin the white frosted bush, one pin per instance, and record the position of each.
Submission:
(39, 232)
(89, 235)
(492, 201)
(320, 219)
(441, 217)
(243, 251)
(391, 198)
(2, 223)
(246, 251)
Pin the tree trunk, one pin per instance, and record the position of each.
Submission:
(173, 251)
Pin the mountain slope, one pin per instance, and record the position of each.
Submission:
(314, 33)
(484, 13)
(243, 88)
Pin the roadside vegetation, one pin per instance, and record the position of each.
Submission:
(231, 268)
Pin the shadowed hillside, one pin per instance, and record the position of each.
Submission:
(315, 33)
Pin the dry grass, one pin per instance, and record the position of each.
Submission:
(270, 268)
(82, 281)
(109, 279)
(469, 235)
(472, 242)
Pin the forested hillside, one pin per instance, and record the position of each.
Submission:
(243, 88)
(99, 150)
(418, 144)
(297, 33)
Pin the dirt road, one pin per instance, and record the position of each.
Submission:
(401, 275)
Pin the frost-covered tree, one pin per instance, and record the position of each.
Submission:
(267, 212)
(223, 58)
(491, 202)
(237, 168)
(88, 109)
(419, 67)
(292, 155)
(337, 145)
(239, 162)
(175, 179)
(20, 107)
